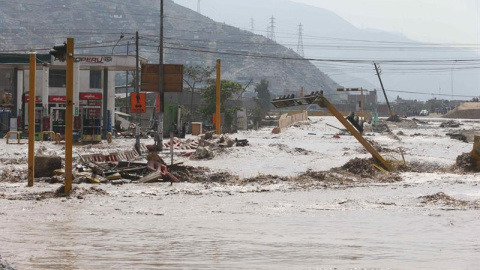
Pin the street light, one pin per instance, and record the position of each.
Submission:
(121, 37)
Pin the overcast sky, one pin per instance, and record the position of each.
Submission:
(442, 21)
(446, 21)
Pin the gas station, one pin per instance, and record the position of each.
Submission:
(93, 96)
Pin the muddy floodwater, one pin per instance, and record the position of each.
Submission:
(198, 226)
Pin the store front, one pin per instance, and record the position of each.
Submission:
(91, 116)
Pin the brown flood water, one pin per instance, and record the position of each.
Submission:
(377, 227)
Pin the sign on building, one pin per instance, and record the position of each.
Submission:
(172, 78)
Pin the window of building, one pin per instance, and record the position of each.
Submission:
(96, 79)
(57, 78)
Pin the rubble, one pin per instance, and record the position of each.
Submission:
(380, 128)
(394, 118)
(443, 199)
(458, 136)
(450, 124)
(4, 265)
(46, 165)
(465, 162)
(203, 153)
(361, 167)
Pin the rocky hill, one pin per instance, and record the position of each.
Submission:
(190, 38)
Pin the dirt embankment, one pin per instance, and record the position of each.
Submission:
(469, 110)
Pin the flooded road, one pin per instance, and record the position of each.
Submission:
(163, 227)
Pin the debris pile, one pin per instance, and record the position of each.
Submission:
(178, 144)
(361, 167)
(450, 124)
(458, 136)
(380, 128)
(12, 175)
(4, 265)
(465, 162)
(394, 118)
(441, 198)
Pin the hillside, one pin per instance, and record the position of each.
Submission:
(190, 38)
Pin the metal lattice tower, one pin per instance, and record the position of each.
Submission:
(252, 25)
(271, 29)
(198, 7)
(300, 50)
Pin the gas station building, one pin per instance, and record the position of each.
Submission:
(94, 93)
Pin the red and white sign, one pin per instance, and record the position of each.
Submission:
(93, 112)
(94, 103)
(38, 99)
(57, 99)
(90, 96)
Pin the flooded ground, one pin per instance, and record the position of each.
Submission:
(303, 199)
(382, 226)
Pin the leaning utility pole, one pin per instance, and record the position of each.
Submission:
(383, 89)
(159, 136)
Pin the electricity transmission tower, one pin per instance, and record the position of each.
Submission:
(198, 7)
(271, 29)
(300, 50)
(252, 25)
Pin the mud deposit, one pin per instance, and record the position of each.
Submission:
(442, 199)
(77, 192)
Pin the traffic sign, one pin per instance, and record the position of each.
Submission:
(138, 102)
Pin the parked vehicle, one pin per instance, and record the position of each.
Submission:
(424, 113)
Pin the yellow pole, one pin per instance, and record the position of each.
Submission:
(302, 94)
(218, 117)
(31, 118)
(326, 104)
(476, 151)
(69, 118)
(361, 104)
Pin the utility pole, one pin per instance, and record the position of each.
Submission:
(159, 137)
(218, 117)
(31, 118)
(383, 89)
(137, 90)
(69, 117)
(300, 50)
(126, 84)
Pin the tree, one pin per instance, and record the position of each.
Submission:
(264, 94)
(194, 75)
(228, 90)
(263, 101)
